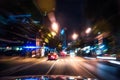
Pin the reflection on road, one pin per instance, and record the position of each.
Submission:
(74, 66)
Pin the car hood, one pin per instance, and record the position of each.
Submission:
(46, 77)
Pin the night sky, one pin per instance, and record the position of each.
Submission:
(70, 13)
(77, 15)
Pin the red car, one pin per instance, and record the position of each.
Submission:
(52, 56)
(63, 53)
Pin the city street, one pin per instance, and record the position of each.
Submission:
(82, 36)
(72, 66)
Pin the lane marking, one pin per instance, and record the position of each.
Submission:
(51, 67)
(62, 60)
(21, 67)
(85, 69)
(71, 60)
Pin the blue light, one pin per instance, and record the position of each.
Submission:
(31, 47)
(102, 46)
(62, 31)
(47, 47)
(17, 48)
(20, 49)
(95, 47)
(87, 51)
(105, 50)
(31, 79)
(27, 79)
(98, 52)
(91, 48)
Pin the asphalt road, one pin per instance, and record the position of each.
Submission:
(74, 66)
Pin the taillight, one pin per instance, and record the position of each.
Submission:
(53, 57)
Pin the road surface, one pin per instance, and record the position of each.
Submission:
(74, 66)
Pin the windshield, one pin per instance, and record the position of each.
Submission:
(84, 36)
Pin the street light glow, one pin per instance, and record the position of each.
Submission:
(55, 26)
(88, 30)
(75, 36)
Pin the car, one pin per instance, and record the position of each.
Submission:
(63, 53)
(52, 56)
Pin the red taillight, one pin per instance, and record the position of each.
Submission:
(53, 57)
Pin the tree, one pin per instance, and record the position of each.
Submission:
(110, 26)
(101, 26)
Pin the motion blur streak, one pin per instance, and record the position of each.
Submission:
(9, 41)
(23, 36)
(115, 62)
(72, 66)
(114, 58)
(47, 7)
(89, 58)
(51, 16)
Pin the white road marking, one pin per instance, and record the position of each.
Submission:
(24, 66)
(51, 67)
(89, 72)
(62, 60)
(71, 60)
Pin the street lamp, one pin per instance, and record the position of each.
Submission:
(88, 30)
(74, 36)
(55, 26)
